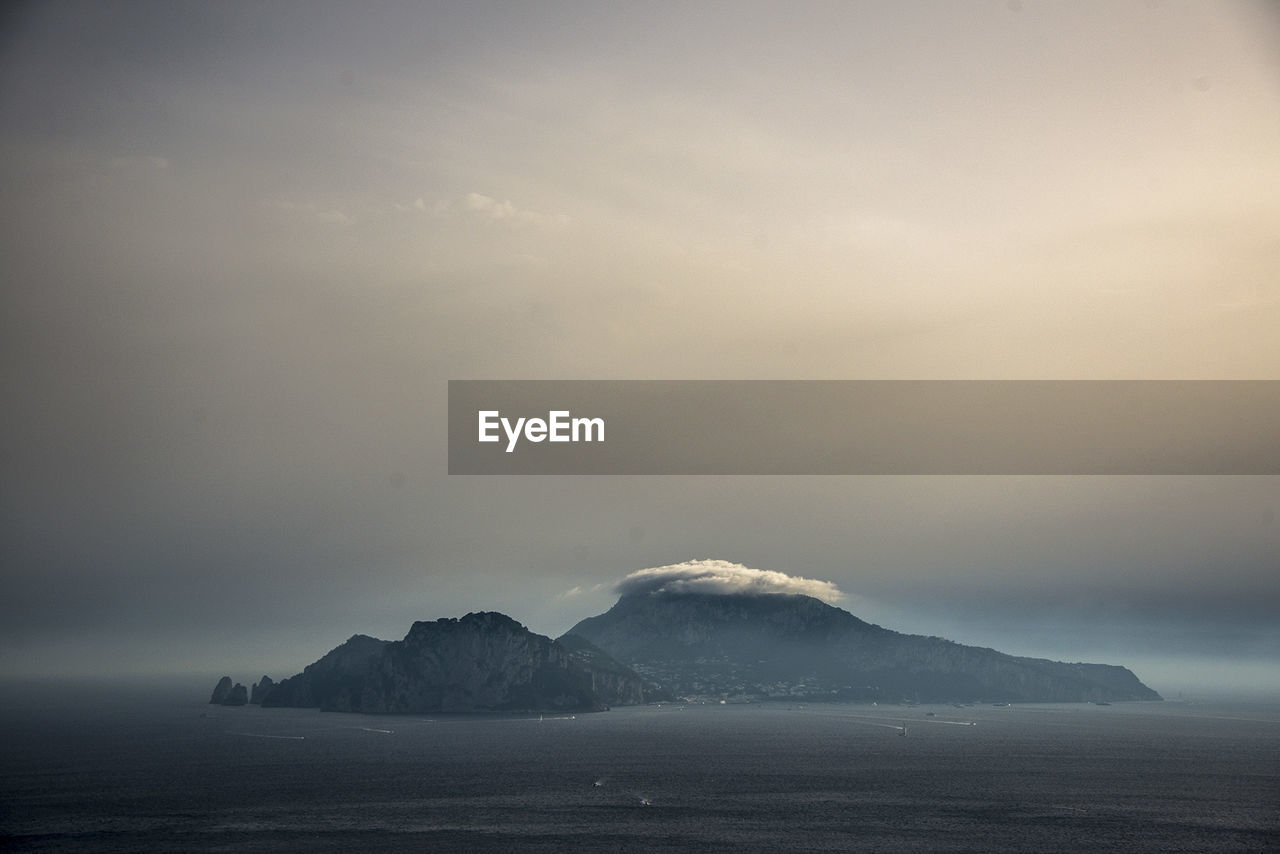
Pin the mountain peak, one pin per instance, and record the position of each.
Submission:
(484, 661)
(765, 643)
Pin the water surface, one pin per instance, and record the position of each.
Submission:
(128, 771)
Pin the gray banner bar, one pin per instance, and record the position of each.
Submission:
(863, 427)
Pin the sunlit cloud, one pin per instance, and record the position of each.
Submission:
(721, 576)
(490, 206)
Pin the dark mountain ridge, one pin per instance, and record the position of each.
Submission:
(481, 662)
(795, 646)
(660, 645)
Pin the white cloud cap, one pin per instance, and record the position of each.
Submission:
(721, 576)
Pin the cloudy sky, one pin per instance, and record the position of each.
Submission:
(246, 246)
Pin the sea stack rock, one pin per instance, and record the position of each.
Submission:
(221, 691)
(260, 690)
(227, 694)
(238, 697)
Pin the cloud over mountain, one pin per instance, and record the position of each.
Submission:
(721, 576)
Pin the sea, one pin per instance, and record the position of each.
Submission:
(132, 770)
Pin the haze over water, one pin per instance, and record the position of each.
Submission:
(246, 246)
(250, 243)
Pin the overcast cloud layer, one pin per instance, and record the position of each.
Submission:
(246, 245)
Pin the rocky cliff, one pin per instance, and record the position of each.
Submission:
(331, 681)
(612, 681)
(227, 694)
(261, 689)
(480, 662)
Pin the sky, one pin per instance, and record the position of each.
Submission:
(247, 245)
